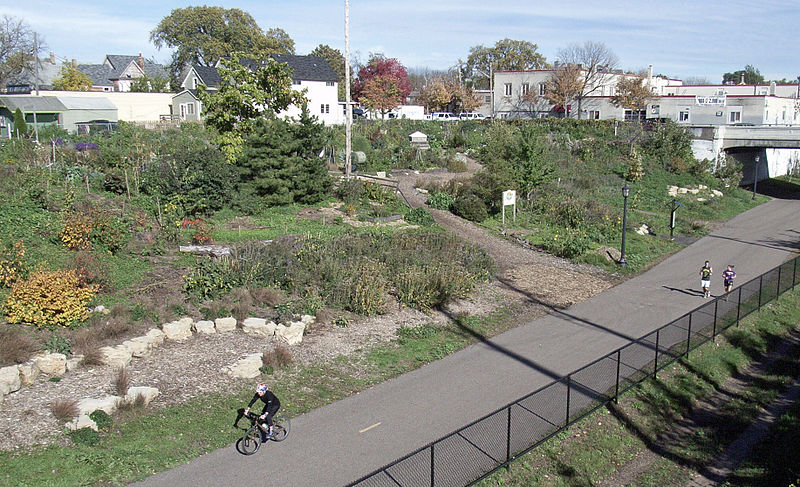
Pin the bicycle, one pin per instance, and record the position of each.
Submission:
(250, 442)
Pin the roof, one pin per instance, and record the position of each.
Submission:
(191, 92)
(120, 62)
(208, 75)
(304, 68)
(28, 104)
(100, 74)
(86, 103)
(46, 73)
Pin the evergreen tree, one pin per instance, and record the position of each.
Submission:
(20, 127)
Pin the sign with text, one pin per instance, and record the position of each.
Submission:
(509, 198)
(717, 100)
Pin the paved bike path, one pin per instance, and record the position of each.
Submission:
(343, 441)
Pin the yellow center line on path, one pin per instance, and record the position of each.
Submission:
(369, 427)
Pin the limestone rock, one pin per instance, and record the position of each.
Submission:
(225, 325)
(147, 393)
(107, 404)
(156, 337)
(694, 190)
(717, 193)
(119, 356)
(9, 380)
(682, 190)
(702, 199)
(82, 421)
(28, 372)
(308, 319)
(177, 330)
(258, 326)
(292, 334)
(51, 363)
(138, 346)
(74, 362)
(247, 367)
(205, 327)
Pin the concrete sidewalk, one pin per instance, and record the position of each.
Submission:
(343, 441)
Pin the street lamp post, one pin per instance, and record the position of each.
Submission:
(755, 176)
(626, 190)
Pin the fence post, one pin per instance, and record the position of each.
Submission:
(432, 476)
(738, 306)
(760, 287)
(508, 441)
(616, 388)
(689, 336)
(714, 326)
(569, 387)
(655, 364)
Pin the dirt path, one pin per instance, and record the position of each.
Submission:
(550, 280)
(671, 442)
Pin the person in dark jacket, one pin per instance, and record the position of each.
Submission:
(271, 406)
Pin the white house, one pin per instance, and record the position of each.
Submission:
(309, 73)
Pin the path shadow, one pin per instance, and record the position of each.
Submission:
(689, 291)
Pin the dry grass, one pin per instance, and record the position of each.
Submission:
(16, 347)
(267, 296)
(277, 357)
(85, 343)
(242, 303)
(324, 316)
(122, 382)
(65, 409)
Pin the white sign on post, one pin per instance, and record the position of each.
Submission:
(509, 198)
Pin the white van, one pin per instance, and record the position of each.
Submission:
(471, 116)
(444, 116)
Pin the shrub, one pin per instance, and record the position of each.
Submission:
(84, 436)
(57, 344)
(65, 409)
(12, 264)
(277, 357)
(76, 231)
(367, 290)
(419, 216)
(470, 207)
(91, 271)
(122, 381)
(49, 298)
(101, 419)
(567, 244)
(16, 347)
(440, 200)
(81, 231)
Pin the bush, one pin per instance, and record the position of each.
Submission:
(49, 298)
(419, 216)
(470, 207)
(65, 409)
(431, 286)
(440, 200)
(91, 271)
(82, 231)
(12, 264)
(84, 436)
(57, 344)
(16, 347)
(101, 419)
(567, 244)
(367, 291)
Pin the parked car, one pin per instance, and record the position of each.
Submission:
(471, 116)
(443, 116)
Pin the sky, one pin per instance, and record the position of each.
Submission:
(681, 39)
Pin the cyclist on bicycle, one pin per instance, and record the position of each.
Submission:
(271, 406)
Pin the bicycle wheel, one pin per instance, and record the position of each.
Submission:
(280, 428)
(250, 442)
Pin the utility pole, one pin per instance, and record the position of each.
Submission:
(35, 82)
(349, 108)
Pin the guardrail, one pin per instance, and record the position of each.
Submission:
(473, 452)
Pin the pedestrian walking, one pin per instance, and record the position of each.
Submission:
(705, 279)
(728, 275)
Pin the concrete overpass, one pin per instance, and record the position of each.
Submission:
(774, 149)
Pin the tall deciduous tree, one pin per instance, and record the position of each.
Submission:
(563, 86)
(204, 35)
(597, 63)
(446, 94)
(248, 91)
(393, 74)
(381, 93)
(632, 93)
(335, 61)
(71, 78)
(506, 54)
(17, 50)
(147, 84)
(751, 74)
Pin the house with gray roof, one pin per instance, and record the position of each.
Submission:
(64, 111)
(35, 77)
(309, 73)
(118, 72)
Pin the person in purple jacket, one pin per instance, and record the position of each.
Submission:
(728, 275)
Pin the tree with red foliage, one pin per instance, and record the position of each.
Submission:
(382, 84)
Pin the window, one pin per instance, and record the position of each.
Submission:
(488, 98)
(735, 117)
(329, 83)
(525, 89)
(507, 89)
(190, 108)
(542, 89)
(295, 81)
(683, 116)
(194, 83)
(324, 108)
(594, 114)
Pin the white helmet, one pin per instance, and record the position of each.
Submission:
(261, 388)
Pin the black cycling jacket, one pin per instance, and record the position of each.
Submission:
(270, 401)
